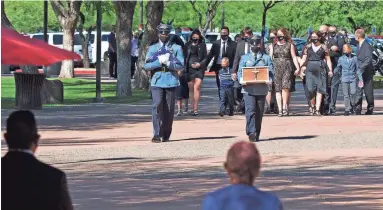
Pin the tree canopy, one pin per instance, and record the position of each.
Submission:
(297, 16)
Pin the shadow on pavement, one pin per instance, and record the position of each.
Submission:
(166, 185)
(291, 138)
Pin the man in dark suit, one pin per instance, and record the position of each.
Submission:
(112, 52)
(243, 47)
(242, 165)
(364, 56)
(26, 182)
(224, 47)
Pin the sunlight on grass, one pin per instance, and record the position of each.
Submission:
(76, 91)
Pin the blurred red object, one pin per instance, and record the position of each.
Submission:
(18, 49)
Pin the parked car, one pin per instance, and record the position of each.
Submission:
(299, 44)
(185, 35)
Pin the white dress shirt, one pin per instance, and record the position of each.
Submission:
(221, 49)
(247, 48)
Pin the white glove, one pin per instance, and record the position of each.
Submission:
(167, 57)
(162, 59)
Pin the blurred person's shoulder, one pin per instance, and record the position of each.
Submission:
(254, 197)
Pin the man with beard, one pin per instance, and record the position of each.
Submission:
(165, 61)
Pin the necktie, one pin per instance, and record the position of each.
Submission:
(223, 49)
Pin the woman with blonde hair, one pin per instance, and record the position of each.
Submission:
(286, 64)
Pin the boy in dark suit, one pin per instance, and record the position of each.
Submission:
(28, 183)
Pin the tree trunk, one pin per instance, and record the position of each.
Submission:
(124, 13)
(154, 11)
(263, 28)
(67, 17)
(85, 54)
(4, 19)
(67, 67)
(85, 46)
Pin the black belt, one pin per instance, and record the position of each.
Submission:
(162, 69)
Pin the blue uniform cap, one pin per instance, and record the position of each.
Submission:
(165, 28)
(255, 40)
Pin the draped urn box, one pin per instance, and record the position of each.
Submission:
(254, 75)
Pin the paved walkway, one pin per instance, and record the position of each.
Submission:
(332, 162)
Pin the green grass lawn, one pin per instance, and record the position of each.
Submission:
(76, 91)
(378, 82)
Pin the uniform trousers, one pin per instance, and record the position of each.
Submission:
(254, 107)
(163, 111)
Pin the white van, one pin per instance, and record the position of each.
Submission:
(56, 39)
(78, 46)
(104, 46)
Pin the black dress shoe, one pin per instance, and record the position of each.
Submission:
(156, 139)
(346, 113)
(165, 139)
(221, 114)
(253, 138)
(369, 112)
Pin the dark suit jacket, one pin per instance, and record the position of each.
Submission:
(30, 184)
(201, 55)
(364, 56)
(238, 53)
(216, 50)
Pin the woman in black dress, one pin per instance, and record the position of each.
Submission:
(318, 64)
(286, 65)
(195, 66)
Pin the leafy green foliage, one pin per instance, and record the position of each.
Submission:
(27, 16)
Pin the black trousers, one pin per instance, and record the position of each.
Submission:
(163, 111)
(368, 91)
(113, 64)
(218, 83)
(133, 65)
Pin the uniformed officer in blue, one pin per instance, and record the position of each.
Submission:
(165, 61)
(254, 94)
